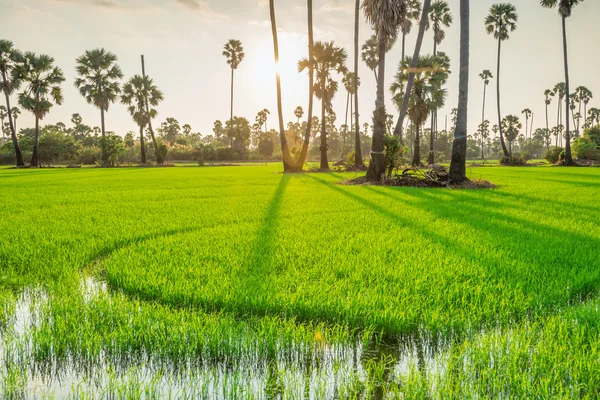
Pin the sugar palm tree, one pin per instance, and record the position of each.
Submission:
(511, 126)
(288, 163)
(41, 80)
(385, 16)
(327, 59)
(560, 90)
(486, 75)
(370, 53)
(439, 17)
(358, 160)
(527, 113)
(135, 93)
(311, 76)
(565, 8)
(262, 117)
(548, 94)
(15, 114)
(234, 52)
(593, 115)
(584, 96)
(350, 87)
(9, 59)
(413, 12)
(299, 113)
(501, 20)
(98, 82)
(426, 95)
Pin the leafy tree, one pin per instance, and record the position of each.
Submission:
(238, 130)
(327, 59)
(98, 83)
(42, 87)
(234, 52)
(511, 126)
(169, 131)
(113, 148)
(136, 92)
(501, 21)
(565, 8)
(9, 59)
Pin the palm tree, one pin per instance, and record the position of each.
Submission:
(593, 115)
(98, 82)
(42, 87)
(527, 113)
(560, 90)
(327, 59)
(288, 163)
(458, 168)
(501, 20)
(3, 115)
(358, 160)
(512, 126)
(136, 92)
(565, 8)
(439, 17)
(234, 52)
(584, 95)
(262, 117)
(15, 114)
(385, 16)
(427, 92)
(415, 61)
(548, 100)
(349, 85)
(370, 54)
(9, 59)
(304, 150)
(299, 112)
(486, 75)
(413, 12)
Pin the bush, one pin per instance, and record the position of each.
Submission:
(518, 159)
(593, 134)
(89, 155)
(393, 149)
(585, 149)
(553, 155)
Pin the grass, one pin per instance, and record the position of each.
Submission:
(245, 267)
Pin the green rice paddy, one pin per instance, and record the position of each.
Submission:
(242, 282)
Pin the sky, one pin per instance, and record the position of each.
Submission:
(182, 41)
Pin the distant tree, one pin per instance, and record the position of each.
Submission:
(15, 114)
(239, 131)
(234, 52)
(501, 21)
(9, 59)
(350, 86)
(327, 59)
(528, 114)
(593, 117)
(512, 126)
(548, 94)
(42, 87)
(584, 95)
(3, 115)
(565, 8)
(98, 82)
(262, 117)
(560, 90)
(299, 113)
(135, 93)
(486, 75)
(170, 130)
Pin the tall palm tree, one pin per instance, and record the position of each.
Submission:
(560, 90)
(486, 75)
(501, 20)
(427, 92)
(311, 76)
(42, 87)
(234, 52)
(358, 160)
(350, 87)
(136, 92)
(439, 17)
(385, 16)
(288, 163)
(262, 117)
(9, 59)
(299, 113)
(565, 8)
(98, 82)
(15, 114)
(327, 59)
(511, 126)
(413, 12)
(548, 100)
(527, 113)
(415, 61)
(458, 168)
(584, 95)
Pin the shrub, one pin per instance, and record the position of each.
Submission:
(553, 155)
(585, 149)
(393, 148)
(593, 134)
(89, 155)
(518, 159)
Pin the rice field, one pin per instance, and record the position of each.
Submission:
(242, 282)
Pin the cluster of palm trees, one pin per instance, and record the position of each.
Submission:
(98, 81)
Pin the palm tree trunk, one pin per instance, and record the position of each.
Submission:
(103, 136)
(483, 117)
(506, 153)
(417, 152)
(531, 126)
(358, 158)
(13, 129)
(34, 156)
(347, 128)
(547, 130)
(231, 98)
(377, 164)
(403, 46)
(323, 147)
(288, 164)
(142, 145)
(458, 166)
(569, 157)
(415, 62)
(304, 151)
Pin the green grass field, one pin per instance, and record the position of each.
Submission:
(242, 281)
